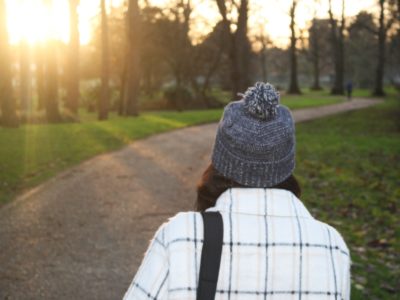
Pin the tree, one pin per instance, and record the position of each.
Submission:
(40, 74)
(337, 40)
(173, 24)
(51, 77)
(263, 39)
(293, 85)
(7, 101)
(155, 58)
(318, 49)
(206, 59)
(238, 43)
(381, 34)
(73, 59)
(51, 83)
(105, 89)
(314, 47)
(384, 27)
(132, 79)
(25, 77)
(361, 49)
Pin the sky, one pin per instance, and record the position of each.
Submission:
(31, 20)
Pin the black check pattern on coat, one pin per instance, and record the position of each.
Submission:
(273, 249)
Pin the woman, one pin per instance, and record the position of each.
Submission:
(272, 247)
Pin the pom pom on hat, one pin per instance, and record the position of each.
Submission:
(261, 100)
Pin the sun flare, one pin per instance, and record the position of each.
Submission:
(40, 20)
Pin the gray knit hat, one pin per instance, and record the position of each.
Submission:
(255, 142)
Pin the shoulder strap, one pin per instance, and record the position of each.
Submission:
(210, 255)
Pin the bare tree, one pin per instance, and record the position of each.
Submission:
(206, 60)
(384, 27)
(7, 101)
(51, 78)
(239, 46)
(25, 94)
(40, 74)
(51, 83)
(314, 47)
(105, 88)
(293, 85)
(381, 33)
(264, 41)
(337, 39)
(132, 79)
(73, 59)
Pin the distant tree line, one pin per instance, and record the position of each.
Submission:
(139, 53)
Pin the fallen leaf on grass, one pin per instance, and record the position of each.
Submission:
(379, 243)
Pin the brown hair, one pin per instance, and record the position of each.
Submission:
(213, 184)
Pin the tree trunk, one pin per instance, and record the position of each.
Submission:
(40, 75)
(105, 89)
(230, 38)
(239, 47)
(7, 101)
(243, 47)
(51, 103)
(315, 53)
(25, 94)
(380, 66)
(133, 75)
(293, 85)
(121, 104)
(263, 60)
(73, 59)
(316, 85)
(338, 51)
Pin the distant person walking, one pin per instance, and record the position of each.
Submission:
(349, 89)
(267, 244)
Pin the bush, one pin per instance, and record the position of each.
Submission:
(91, 96)
(178, 97)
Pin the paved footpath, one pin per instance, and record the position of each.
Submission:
(82, 234)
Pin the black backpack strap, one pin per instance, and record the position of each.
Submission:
(210, 255)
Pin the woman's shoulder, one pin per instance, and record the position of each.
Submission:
(183, 220)
(183, 225)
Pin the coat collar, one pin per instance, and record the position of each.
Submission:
(260, 201)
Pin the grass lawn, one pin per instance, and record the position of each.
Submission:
(349, 169)
(33, 153)
(310, 99)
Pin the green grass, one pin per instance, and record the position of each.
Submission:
(349, 168)
(310, 99)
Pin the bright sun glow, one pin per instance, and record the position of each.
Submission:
(34, 21)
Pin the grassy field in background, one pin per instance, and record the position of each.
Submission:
(349, 169)
(33, 153)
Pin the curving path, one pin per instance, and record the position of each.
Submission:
(82, 234)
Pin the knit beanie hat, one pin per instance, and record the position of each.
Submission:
(255, 141)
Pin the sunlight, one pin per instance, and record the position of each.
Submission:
(34, 21)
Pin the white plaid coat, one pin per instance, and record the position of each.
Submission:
(273, 249)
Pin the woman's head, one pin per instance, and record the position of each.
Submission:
(254, 146)
(255, 141)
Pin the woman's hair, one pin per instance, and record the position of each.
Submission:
(213, 184)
